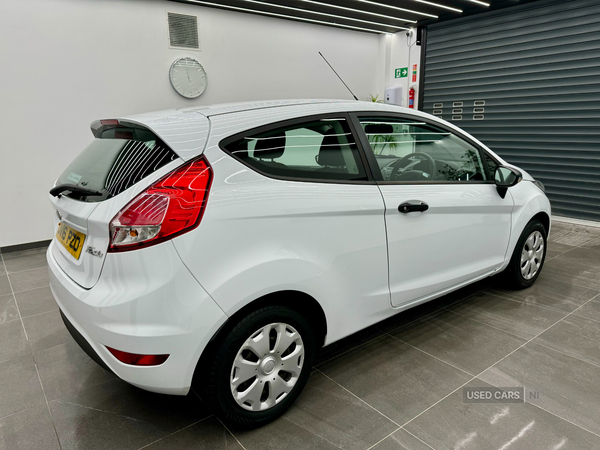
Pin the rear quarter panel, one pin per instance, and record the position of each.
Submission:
(261, 235)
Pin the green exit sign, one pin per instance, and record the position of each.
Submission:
(402, 72)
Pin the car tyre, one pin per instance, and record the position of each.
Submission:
(260, 367)
(528, 257)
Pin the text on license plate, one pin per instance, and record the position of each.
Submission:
(71, 239)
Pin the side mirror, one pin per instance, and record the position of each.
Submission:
(506, 177)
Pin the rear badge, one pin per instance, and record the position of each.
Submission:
(92, 251)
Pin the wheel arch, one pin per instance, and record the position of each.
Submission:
(544, 218)
(300, 301)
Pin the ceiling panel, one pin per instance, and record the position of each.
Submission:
(371, 16)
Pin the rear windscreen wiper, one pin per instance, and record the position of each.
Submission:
(57, 190)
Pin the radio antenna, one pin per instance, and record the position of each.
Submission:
(338, 76)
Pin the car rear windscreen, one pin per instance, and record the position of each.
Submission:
(116, 160)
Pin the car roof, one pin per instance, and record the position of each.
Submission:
(186, 129)
(230, 108)
(276, 107)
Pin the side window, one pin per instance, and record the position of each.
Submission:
(318, 149)
(491, 163)
(408, 150)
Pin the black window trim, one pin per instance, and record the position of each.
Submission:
(297, 121)
(355, 117)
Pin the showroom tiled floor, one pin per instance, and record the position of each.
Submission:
(397, 385)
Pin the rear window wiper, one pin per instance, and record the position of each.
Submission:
(57, 190)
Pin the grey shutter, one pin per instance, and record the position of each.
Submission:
(528, 78)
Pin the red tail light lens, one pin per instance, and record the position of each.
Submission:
(134, 359)
(172, 206)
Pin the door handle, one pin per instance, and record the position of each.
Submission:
(413, 206)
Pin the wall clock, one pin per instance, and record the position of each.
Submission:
(188, 77)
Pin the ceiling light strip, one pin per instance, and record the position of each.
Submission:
(358, 11)
(398, 8)
(285, 16)
(480, 3)
(326, 14)
(450, 8)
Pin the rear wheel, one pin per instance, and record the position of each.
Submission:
(260, 367)
(528, 257)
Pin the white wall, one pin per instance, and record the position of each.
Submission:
(401, 56)
(66, 63)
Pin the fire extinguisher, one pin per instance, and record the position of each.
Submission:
(411, 97)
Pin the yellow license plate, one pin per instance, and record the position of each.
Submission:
(71, 239)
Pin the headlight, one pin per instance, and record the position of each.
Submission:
(540, 185)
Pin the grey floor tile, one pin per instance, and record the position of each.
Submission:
(405, 317)
(410, 315)
(117, 415)
(29, 279)
(572, 234)
(27, 430)
(332, 413)
(583, 255)
(518, 318)
(36, 301)
(396, 379)
(547, 291)
(469, 290)
(591, 310)
(575, 336)
(401, 440)
(568, 271)
(453, 424)
(20, 387)
(594, 243)
(13, 341)
(18, 261)
(282, 435)
(4, 285)
(2, 269)
(65, 370)
(459, 341)
(340, 347)
(209, 434)
(555, 249)
(8, 308)
(46, 330)
(567, 387)
(21, 253)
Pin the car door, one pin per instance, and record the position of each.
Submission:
(446, 224)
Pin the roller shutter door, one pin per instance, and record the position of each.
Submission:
(525, 81)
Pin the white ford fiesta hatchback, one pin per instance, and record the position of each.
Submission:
(224, 246)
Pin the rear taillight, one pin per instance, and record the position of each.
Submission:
(170, 207)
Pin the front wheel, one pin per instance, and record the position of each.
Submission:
(261, 366)
(528, 257)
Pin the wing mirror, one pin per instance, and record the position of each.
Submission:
(506, 177)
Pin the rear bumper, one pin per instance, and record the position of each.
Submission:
(145, 302)
(85, 345)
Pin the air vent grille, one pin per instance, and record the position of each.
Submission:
(183, 31)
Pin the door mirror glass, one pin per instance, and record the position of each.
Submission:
(506, 176)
